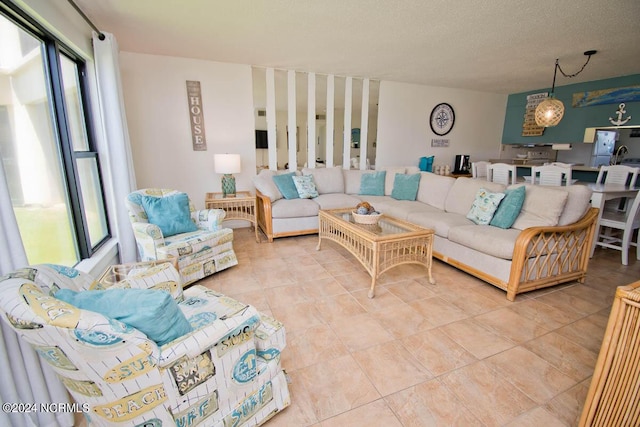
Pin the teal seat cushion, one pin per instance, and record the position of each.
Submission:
(509, 208)
(285, 184)
(170, 213)
(372, 184)
(405, 186)
(153, 312)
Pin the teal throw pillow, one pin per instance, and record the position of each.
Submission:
(285, 184)
(484, 206)
(509, 208)
(170, 213)
(426, 164)
(372, 183)
(305, 186)
(405, 187)
(153, 312)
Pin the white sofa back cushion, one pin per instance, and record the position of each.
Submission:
(391, 176)
(352, 178)
(578, 203)
(264, 183)
(463, 192)
(327, 180)
(542, 206)
(434, 188)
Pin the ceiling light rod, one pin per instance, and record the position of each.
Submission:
(550, 111)
(87, 20)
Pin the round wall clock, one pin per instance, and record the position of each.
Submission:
(442, 119)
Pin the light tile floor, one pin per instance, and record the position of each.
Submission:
(456, 353)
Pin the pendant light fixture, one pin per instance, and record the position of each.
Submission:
(550, 111)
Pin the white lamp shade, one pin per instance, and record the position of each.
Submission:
(549, 112)
(227, 163)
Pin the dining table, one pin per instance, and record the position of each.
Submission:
(603, 192)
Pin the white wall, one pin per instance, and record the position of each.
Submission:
(404, 134)
(155, 98)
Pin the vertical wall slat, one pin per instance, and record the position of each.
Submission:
(364, 124)
(330, 119)
(271, 118)
(311, 120)
(292, 123)
(348, 101)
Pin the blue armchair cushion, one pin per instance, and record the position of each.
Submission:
(509, 208)
(153, 312)
(405, 187)
(170, 213)
(372, 183)
(285, 184)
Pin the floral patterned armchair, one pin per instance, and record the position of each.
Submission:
(199, 253)
(225, 372)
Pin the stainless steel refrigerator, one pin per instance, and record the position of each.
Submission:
(603, 147)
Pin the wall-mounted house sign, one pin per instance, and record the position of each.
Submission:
(529, 126)
(196, 117)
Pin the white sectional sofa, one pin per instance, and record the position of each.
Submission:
(547, 245)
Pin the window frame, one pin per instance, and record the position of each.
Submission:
(51, 50)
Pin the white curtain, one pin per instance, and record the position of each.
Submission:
(24, 378)
(115, 140)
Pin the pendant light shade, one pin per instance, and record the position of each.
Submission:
(549, 112)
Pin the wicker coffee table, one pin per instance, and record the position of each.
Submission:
(378, 247)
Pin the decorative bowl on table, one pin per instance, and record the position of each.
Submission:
(369, 219)
(521, 156)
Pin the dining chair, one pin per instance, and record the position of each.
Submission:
(624, 223)
(551, 175)
(502, 173)
(479, 169)
(617, 174)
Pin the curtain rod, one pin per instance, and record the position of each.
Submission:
(75, 6)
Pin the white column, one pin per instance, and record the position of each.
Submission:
(364, 124)
(292, 124)
(330, 120)
(271, 119)
(346, 151)
(311, 120)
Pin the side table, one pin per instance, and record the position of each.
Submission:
(243, 206)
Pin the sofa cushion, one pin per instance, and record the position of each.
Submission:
(484, 206)
(542, 206)
(463, 193)
(490, 240)
(306, 186)
(509, 208)
(264, 183)
(372, 183)
(285, 184)
(293, 208)
(433, 189)
(578, 203)
(391, 176)
(440, 222)
(153, 312)
(327, 180)
(405, 186)
(336, 201)
(352, 178)
(170, 213)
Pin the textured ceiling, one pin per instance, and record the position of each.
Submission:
(501, 46)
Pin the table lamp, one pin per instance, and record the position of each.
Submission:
(227, 164)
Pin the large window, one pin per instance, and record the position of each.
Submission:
(46, 148)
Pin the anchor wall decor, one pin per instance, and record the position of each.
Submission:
(620, 113)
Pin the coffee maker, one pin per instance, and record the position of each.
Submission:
(462, 164)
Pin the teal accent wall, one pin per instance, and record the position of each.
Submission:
(575, 120)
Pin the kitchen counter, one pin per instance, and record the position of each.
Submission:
(580, 172)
